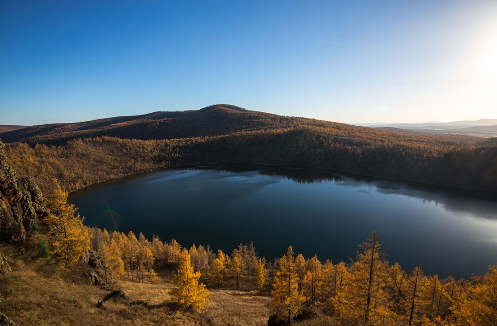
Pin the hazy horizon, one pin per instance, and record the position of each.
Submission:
(357, 62)
(357, 123)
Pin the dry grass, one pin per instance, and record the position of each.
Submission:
(33, 295)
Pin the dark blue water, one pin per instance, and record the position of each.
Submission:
(449, 232)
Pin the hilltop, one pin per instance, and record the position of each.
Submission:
(214, 120)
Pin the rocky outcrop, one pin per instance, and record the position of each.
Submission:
(5, 321)
(4, 265)
(21, 203)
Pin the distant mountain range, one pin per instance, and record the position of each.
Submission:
(478, 128)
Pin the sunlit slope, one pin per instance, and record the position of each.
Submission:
(210, 121)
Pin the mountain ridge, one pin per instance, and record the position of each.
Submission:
(213, 120)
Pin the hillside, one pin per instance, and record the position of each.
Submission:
(32, 295)
(5, 128)
(215, 120)
(209, 121)
(82, 154)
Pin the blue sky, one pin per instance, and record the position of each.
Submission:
(346, 61)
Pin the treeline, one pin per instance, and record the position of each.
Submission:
(364, 291)
(443, 161)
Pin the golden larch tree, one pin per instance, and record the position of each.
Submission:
(336, 302)
(431, 297)
(286, 297)
(236, 270)
(313, 279)
(480, 306)
(69, 238)
(300, 269)
(189, 293)
(415, 283)
(217, 268)
(112, 264)
(365, 294)
(261, 274)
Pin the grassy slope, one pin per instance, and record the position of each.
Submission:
(32, 295)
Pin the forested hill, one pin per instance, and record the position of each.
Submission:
(81, 154)
(215, 120)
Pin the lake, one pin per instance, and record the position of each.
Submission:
(447, 231)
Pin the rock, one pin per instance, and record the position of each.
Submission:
(276, 320)
(94, 260)
(21, 202)
(95, 279)
(5, 321)
(4, 265)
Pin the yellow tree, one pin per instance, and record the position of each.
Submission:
(336, 302)
(313, 279)
(189, 293)
(286, 297)
(236, 270)
(300, 269)
(217, 267)
(431, 297)
(413, 294)
(70, 239)
(368, 277)
(112, 264)
(261, 274)
(145, 261)
(480, 306)
(173, 252)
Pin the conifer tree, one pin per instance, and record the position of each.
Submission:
(413, 293)
(70, 239)
(217, 268)
(430, 297)
(327, 289)
(132, 251)
(173, 252)
(261, 274)
(236, 270)
(286, 297)
(189, 293)
(158, 251)
(112, 264)
(336, 303)
(366, 294)
(152, 276)
(300, 269)
(479, 307)
(313, 279)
